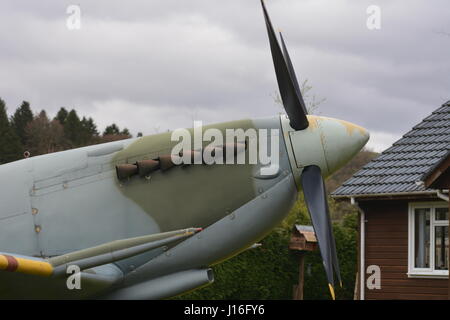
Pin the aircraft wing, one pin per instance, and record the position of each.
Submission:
(95, 265)
(31, 280)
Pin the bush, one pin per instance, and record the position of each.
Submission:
(271, 271)
(267, 272)
(316, 284)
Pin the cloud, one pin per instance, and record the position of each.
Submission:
(159, 63)
(152, 119)
(380, 141)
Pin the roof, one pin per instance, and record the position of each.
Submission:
(397, 169)
(307, 232)
(438, 176)
(437, 169)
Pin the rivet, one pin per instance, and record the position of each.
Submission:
(260, 190)
(264, 196)
(148, 177)
(37, 229)
(34, 211)
(65, 185)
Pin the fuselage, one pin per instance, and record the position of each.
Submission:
(66, 201)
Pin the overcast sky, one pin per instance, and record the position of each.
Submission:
(160, 64)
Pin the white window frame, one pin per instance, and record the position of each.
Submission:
(414, 272)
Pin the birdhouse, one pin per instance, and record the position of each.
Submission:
(303, 238)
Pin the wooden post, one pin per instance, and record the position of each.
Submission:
(301, 276)
(356, 290)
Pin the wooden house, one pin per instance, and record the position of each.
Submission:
(402, 197)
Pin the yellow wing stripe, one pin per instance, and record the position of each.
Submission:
(22, 265)
(3, 262)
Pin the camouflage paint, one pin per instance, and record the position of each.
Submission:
(186, 196)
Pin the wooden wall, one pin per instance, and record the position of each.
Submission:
(387, 246)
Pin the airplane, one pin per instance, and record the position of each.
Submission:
(123, 220)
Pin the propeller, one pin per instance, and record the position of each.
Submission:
(292, 74)
(334, 257)
(311, 178)
(287, 83)
(315, 197)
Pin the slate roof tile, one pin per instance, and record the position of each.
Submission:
(397, 169)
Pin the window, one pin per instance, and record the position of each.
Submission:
(428, 239)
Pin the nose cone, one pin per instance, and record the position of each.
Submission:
(341, 141)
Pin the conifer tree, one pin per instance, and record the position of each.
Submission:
(113, 133)
(20, 119)
(125, 132)
(10, 147)
(89, 133)
(62, 115)
(73, 129)
(111, 130)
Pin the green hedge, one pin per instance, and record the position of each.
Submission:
(316, 284)
(270, 271)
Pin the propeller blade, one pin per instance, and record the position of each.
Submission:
(287, 58)
(293, 104)
(334, 257)
(315, 197)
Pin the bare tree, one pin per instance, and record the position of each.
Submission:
(312, 102)
(44, 136)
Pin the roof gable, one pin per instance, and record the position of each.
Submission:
(397, 169)
(439, 174)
